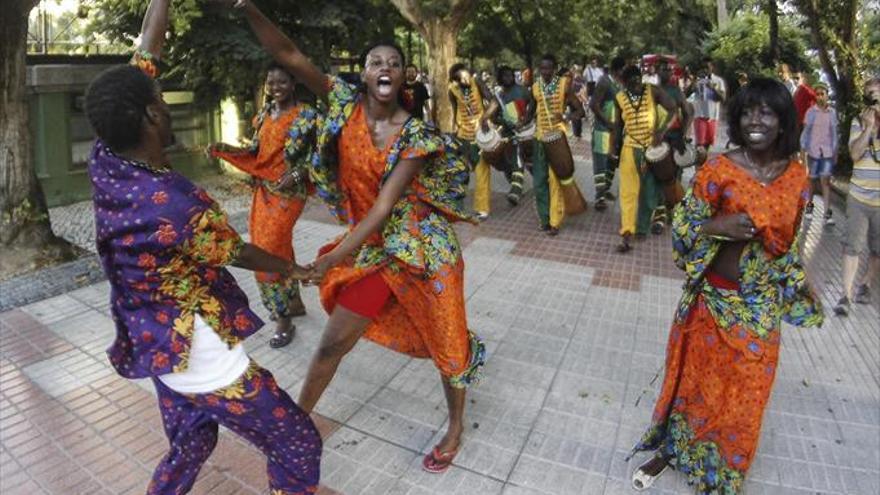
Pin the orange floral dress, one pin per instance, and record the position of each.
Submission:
(273, 212)
(425, 317)
(723, 347)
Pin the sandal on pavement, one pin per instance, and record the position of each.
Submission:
(282, 337)
(863, 294)
(438, 462)
(641, 480)
(623, 247)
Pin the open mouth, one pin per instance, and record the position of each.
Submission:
(383, 85)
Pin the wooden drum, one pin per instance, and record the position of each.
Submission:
(559, 154)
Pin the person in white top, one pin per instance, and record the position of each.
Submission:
(709, 94)
(592, 74)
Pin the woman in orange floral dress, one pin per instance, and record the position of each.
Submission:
(736, 235)
(280, 192)
(397, 275)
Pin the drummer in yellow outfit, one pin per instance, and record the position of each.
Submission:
(551, 92)
(638, 116)
(468, 96)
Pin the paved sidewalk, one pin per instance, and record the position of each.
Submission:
(576, 337)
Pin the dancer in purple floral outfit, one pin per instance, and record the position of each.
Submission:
(180, 316)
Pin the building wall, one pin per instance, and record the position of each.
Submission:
(62, 137)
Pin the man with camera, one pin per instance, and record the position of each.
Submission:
(710, 92)
(863, 205)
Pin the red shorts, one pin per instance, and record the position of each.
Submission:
(366, 297)
(704, 131)
(720, 281)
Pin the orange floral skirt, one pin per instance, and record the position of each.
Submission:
(424, 318)
(709, 413)
(271, 224)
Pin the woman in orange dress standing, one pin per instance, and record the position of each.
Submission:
(396, 276)
(736, 236)
(280, 180)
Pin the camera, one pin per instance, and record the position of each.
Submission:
(870, 101)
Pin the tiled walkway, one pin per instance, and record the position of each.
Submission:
(576, 338)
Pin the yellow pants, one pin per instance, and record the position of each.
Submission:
(482, 187)
(548, 191)
(630, 181)
(557, 204)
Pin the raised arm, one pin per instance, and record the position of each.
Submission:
(861, 142)
(154, 27)
(283, 50)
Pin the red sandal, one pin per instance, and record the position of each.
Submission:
(438, 462)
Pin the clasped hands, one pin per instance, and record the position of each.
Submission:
(314, 272)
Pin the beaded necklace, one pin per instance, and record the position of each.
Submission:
(466, 95)
(139, 164)
(549, 89)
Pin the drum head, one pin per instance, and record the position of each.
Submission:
(488, 141)
(687, 158)
(527, 132)
(657, 153)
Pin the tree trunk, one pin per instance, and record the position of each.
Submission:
(24, 219)
(723, 17)
(439, 28)
(773, 14)
(442, 44)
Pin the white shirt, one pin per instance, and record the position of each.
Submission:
(593, 74)
(707, 104)
(212, 364)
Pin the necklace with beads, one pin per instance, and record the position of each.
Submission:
(549, 89)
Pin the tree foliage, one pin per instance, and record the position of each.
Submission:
(578, 29)
(745, 45)
(213, 52)
(835, 35)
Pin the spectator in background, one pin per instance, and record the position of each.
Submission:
(804, 97)
(819, 143)
(709, 93)
(579, 88)
(651, 76)
(741, 79)
(415, 94)
(592, 74)
(686, 82)
(863, 205)
(785, 77)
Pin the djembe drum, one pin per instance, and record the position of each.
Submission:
(562, 163)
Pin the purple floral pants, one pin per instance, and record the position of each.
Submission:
(253, 407)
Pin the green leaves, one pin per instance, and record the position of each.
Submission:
(211, 50)
(744, 45)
